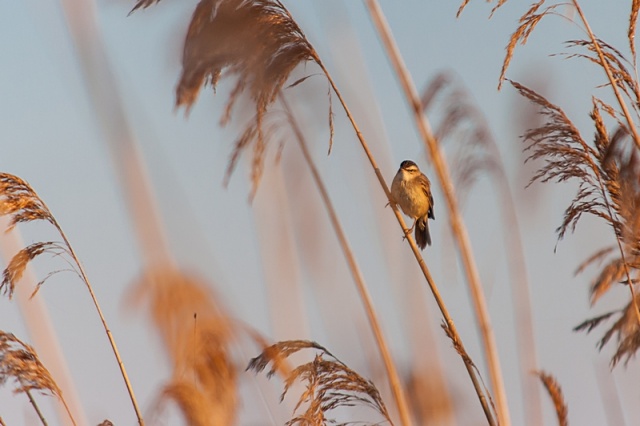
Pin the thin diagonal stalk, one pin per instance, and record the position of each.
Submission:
(612, 80)
(392, 372)
(37, 409)
(107, 330)
(457, 225)
(416, 252)
(108, 109)
(35, 406)
(38, 323)
(114, 347)
(107, 106)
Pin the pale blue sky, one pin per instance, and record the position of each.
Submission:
(52, 140)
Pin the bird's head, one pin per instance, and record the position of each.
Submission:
(409, 167)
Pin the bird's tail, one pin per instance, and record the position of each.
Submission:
(422, 233)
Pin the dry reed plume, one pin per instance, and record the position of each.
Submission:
(198, 337)
(21, 203)
(20, 363)
(458, 230)
(606, 169)
(330, 384)
(608, 189)
(256, 41)
(260, 43)
(262, 66)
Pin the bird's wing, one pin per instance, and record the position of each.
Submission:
(426, 187)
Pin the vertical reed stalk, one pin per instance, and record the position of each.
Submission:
(392, 373)
(418, 255)
(457, 225)
(522, 307)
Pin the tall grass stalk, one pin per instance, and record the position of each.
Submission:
(374, 323)
(109, 111)
(107, 105)
(20, 363)
(85, 279)
(457, 225)
(464, 123)
(418, 255)
(36, 408)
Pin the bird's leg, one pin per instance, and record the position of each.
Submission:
(410, 230)
(391, 201)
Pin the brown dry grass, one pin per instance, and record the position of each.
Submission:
(329, 383)
(259, 43)
(20, 363)
(607, 169)
(607, 172)
(21, 203)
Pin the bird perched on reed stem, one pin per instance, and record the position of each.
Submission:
(411, 190)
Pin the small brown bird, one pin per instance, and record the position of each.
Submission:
(411, 190)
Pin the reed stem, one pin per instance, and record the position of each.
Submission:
(385, 353)
(457, 226)
(416, 252)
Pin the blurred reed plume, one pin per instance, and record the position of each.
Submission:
(555, 392)
(20, 363)
(21, 203)
(259, 43)
(330, 384)
(460, 123)
(198, 336)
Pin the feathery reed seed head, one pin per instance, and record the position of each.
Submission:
(19, 361)
(259, 43)
(330, 384)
